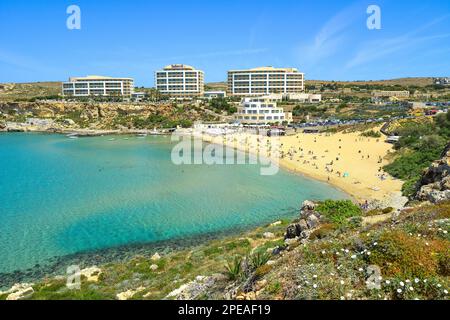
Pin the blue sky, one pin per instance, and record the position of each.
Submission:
(325, 39)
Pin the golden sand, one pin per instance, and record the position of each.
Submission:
(345, 160)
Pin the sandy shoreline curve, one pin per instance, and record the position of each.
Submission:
(347, 161)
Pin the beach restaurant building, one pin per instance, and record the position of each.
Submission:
(98, 86)
(261, 111)
(265, 81)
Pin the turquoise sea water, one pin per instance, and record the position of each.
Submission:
(61, 196)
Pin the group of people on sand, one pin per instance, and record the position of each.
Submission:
(302, 156)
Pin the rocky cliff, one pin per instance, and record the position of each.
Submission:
(434, 185)
(105, 115)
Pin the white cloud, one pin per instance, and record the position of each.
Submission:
(331, 36)
(376, 49)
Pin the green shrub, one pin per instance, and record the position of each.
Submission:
(444, 263)
(262, 271)
(234, 268)
(387, 210)
(401, 255)
(420, 144)
(324, 231)
(259, 259)
(338, 212)
(371, 134)
(373, 212)
(273, 288)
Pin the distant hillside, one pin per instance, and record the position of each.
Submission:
(216, 86)
(420, 82)
(17, 91)
(26, 91)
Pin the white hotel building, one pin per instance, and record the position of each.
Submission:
(98, 86)
(261, 111)
(265, 81)
(180, 81)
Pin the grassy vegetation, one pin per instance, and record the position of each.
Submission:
(234, 268)
(419, 146)
(371, 134)
(174, 269)
(352, 108)
(159, 121)
(220, 105)
(29, 91)
(339, 212)
(411, 255)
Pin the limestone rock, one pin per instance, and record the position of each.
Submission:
(434, 186)
(308, 205)
(129, 294)
(301, 230)
(290, 241)
(294, 230)
(20, 292)
(268, 235)
(194, 289)
(260, 284)
(69, 122)
(156, 257)
(154, 267)
(276, 223)
(312, 221)
(92, 274)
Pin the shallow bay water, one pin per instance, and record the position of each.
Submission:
(61, 196)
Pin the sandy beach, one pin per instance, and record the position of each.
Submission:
(345, 160)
